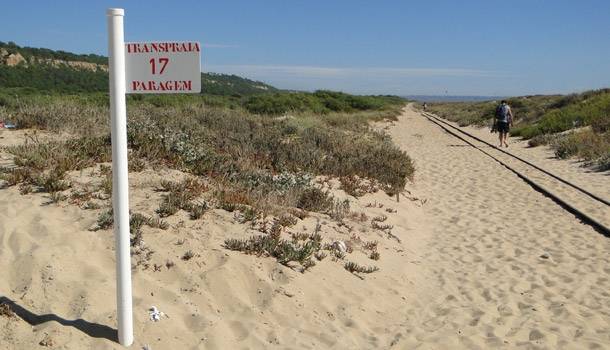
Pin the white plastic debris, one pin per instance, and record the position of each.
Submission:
(340, 246)
(156, 314)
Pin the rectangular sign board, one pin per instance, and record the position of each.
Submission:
(163, 67)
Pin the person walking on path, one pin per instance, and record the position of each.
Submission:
(504, 120)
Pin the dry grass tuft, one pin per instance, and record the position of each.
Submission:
(105, 220)
(370, 245)
(299, 250)
(188, 255)
(287, 220)
(355, 268)
(181, 196)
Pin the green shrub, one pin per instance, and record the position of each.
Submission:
(197, 210)
(265, 161)
(321, 101)
(586, 145)
(105, 220)
(601, 123)
(52, 181)
(284, 251)
(603, 163)
(75, 154)
(539, 140)
(565, 148)
(180, 196)
(315, 199)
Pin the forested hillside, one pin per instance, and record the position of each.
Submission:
(64, 72)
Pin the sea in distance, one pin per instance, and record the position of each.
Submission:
(448, 98)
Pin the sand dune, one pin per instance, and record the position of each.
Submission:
(483, 262)
(59, 278)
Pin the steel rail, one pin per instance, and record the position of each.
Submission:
(540, 188)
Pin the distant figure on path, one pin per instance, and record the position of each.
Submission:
(425, 106)
(504, 119)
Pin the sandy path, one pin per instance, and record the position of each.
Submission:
(596, 182)
(490, 230)
(571, 170)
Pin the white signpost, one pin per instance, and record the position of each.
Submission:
(156, 67)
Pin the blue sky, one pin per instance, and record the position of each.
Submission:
(478, 47)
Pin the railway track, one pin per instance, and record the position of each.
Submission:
(585, 205)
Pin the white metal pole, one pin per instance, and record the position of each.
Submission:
(120, 184)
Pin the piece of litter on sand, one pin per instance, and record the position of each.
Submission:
(156, 314)
(340, 246)
(545, 255)
(146, 347)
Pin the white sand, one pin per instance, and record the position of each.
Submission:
(467, 275)
(571, 170)
(595, 182)
(490, 229)
(56, 272)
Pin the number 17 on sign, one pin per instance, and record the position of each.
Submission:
(163, 61)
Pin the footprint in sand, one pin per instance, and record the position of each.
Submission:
(239, 330)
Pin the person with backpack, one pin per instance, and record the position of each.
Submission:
(504, 120)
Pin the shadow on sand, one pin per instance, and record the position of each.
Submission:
(91, 329)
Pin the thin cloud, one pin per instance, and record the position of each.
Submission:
(336, 72)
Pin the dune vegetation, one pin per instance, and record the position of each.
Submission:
(257, 164)
(211, 137)
(576, 125)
